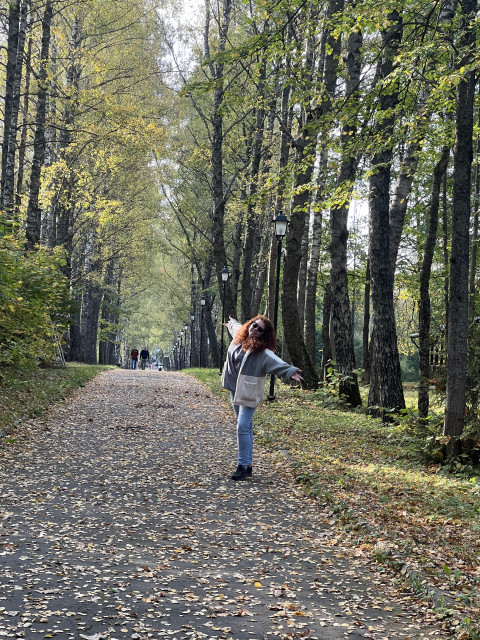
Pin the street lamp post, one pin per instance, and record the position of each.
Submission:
(180, 351)
(185, 328)
(280, 229)
(192, 320)
(202, 304)
(225, 276)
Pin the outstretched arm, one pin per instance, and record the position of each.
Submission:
(296, 376)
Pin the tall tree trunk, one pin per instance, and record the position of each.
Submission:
(33, 221)
(22, 150)
(92, 299)
(108, 313)
(12, 49)
(424, 311)
(252, 231)
(218, 212)
(316, 221)
(64, 202)
(446, 254)
(292, 330)
(326, 342)
(302, 277)
(286, 128)
(366, 327)
(75, 331)
(9, 180)
(458, 305)
(341, 311)
(304, 164)
(473, 259)
(263, 266)
(386, 390)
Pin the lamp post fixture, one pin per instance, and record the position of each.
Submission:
(180, 358)
(202, 305)
(280, 224)
(225, 276)
(185, 328)
(192, 320)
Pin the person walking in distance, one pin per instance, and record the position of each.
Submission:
(250, 358)
(134, 358)
(144, 356)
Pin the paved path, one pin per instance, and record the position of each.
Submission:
(118, 520)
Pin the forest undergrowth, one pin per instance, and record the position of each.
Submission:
(404, 513)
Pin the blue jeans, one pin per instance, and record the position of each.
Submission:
(244, 433)
(134, 364)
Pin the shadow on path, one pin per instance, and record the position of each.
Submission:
(119, 520)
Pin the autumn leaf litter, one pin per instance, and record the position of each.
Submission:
(119, 520)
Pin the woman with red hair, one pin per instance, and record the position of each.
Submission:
(250, 358)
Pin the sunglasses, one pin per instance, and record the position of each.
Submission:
(256, 326)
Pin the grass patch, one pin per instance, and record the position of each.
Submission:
(210, 378)
(417, 518)
(27, 393)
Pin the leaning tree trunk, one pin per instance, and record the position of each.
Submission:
(458, 303)
(33, 221)
(386, 391)
(424, 311)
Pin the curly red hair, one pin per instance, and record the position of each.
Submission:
(267, 339)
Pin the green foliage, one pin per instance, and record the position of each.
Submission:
(327, 393)
(33, 296)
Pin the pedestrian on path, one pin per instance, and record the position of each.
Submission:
(134, 358)
(250, 358)
(144, 356)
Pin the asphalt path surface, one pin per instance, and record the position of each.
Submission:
(118, 519)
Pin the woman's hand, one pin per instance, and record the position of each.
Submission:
(225, 324)
(296, 376)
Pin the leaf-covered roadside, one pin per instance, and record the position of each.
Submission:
(25, 393)
(414, 518)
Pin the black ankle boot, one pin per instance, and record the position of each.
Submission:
(240, 473)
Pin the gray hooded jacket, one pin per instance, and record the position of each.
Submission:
(250, 385)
